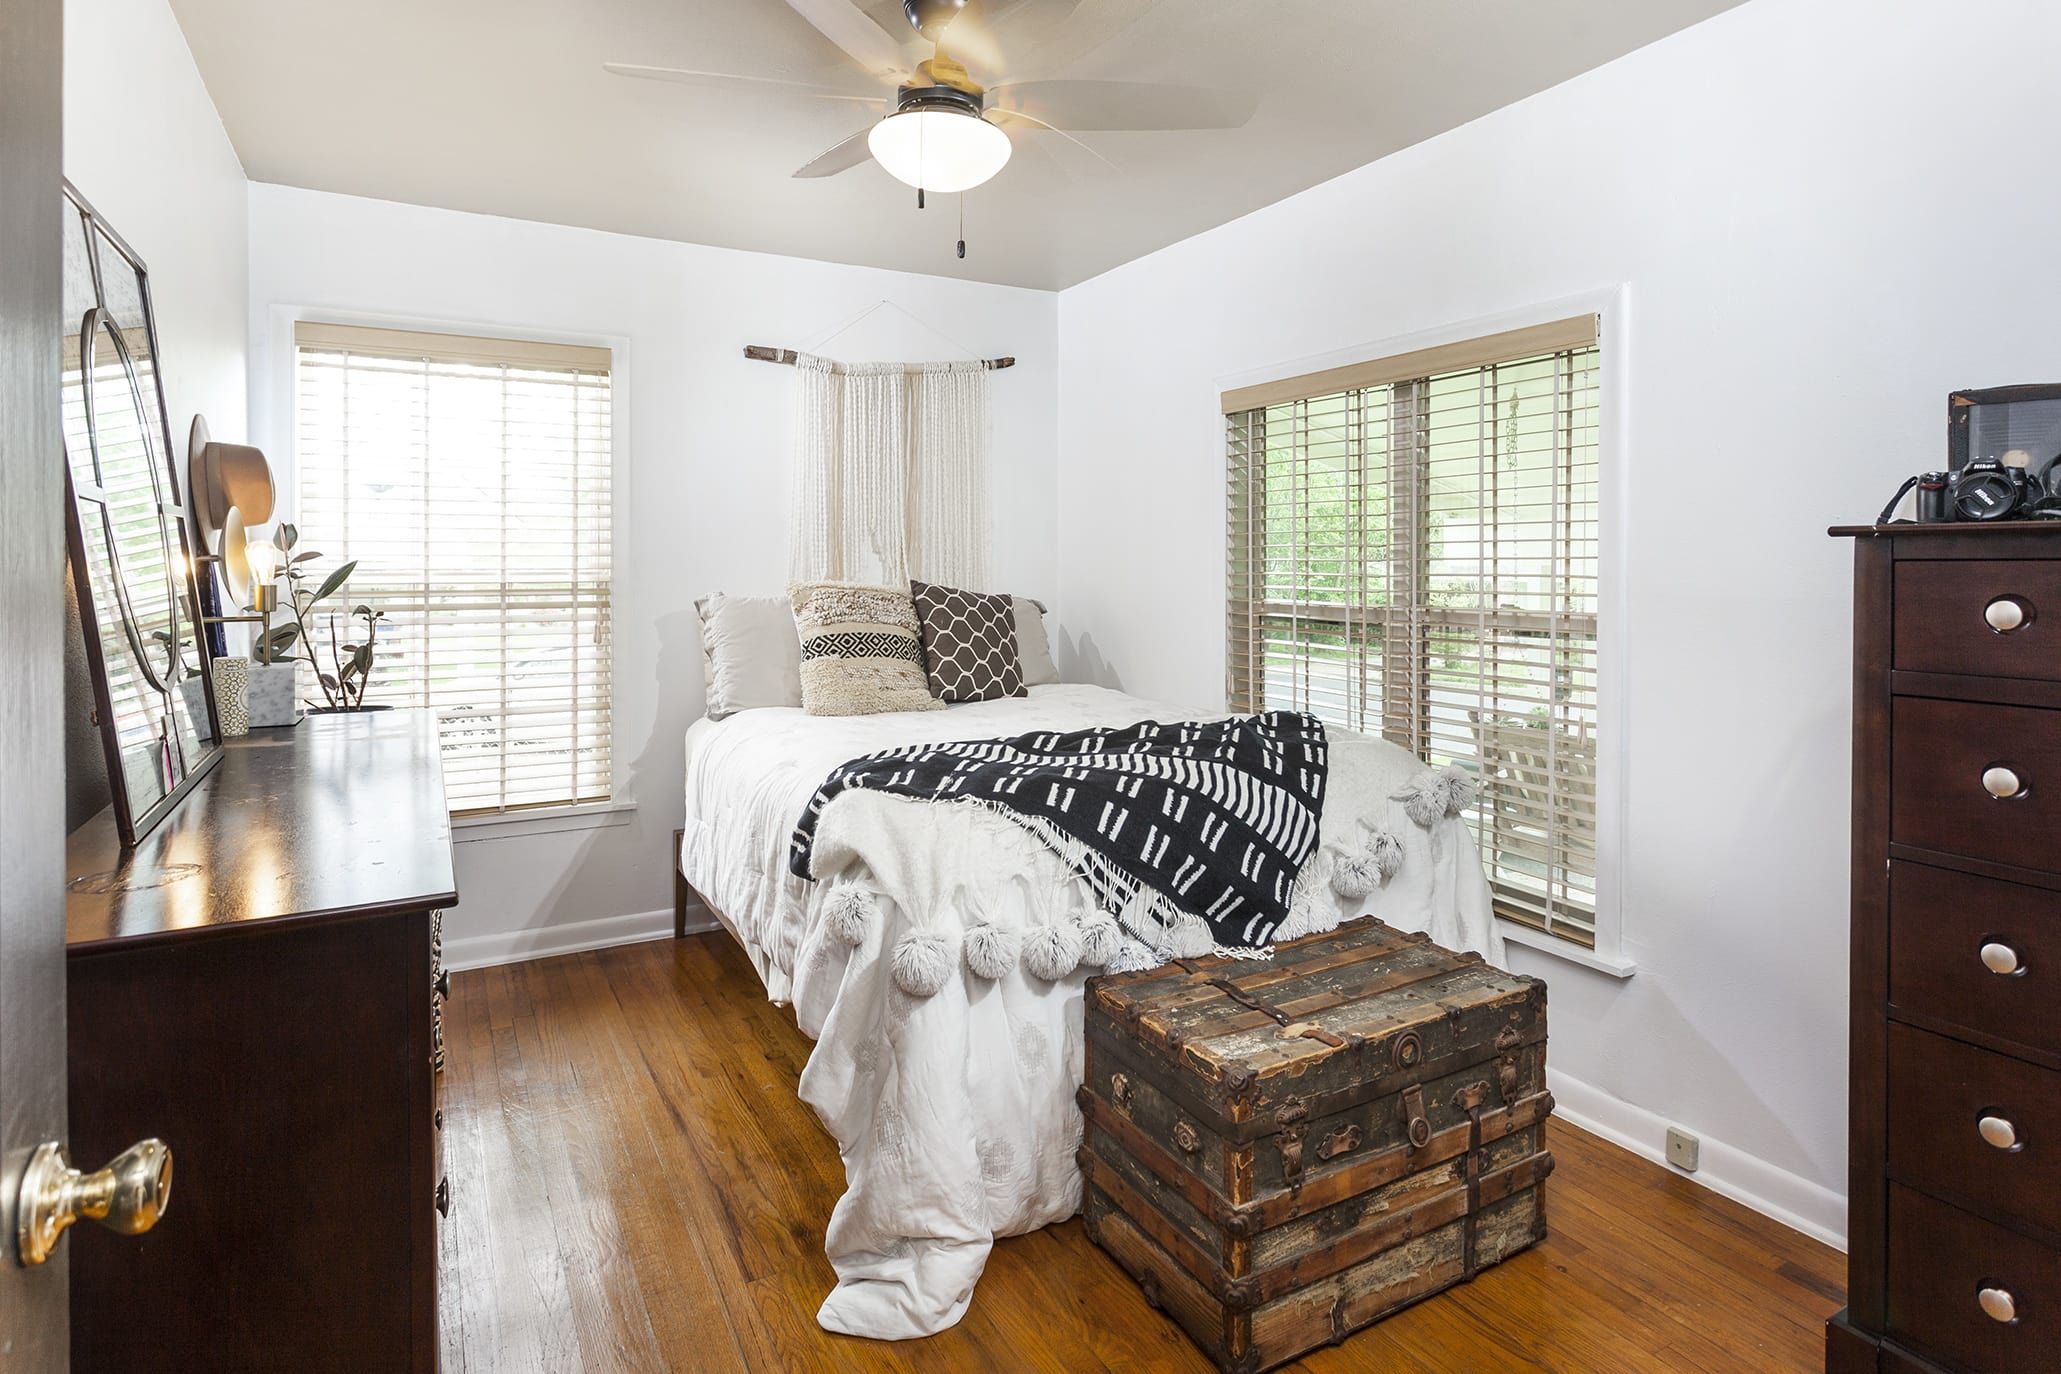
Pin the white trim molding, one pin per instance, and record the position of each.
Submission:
(568, 937)
(1798, 1203)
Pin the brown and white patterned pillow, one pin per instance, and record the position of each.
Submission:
(969, 643)
(861, 654)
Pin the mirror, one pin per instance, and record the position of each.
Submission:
(131, 560)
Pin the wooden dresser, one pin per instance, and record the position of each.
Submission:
(254, 985)
(1954, 1212)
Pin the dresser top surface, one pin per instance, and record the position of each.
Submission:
(337, 816)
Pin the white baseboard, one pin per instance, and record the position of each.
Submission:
(570, 937)
(1796, 1202)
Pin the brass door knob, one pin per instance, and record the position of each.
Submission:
(128, 1196)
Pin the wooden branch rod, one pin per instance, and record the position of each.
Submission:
(762, 354)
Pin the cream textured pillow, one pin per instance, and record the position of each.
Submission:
(1032, 647)
(750, 655)
(861, 652)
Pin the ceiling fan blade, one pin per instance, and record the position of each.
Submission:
(840, 158)
(862, 40)
(1123, 105)
(1017, 119)
(731, 80)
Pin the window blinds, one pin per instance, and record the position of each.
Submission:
(1413, 551)
(470, 479)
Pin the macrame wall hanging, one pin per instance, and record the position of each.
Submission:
(891, 472)
(890, 466)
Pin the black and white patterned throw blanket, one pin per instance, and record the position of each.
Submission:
(1213, 819)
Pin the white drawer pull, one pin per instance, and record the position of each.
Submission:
(2001, 782)
(2004, 614)
(1998, 1133)
(1998, 1304)
(2000, 958)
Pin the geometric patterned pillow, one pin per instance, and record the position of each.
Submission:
(860, 651)
(969, 643)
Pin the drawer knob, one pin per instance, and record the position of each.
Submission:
(2001, 782)
(2004, 614)
(1998, 1133)
(443, 1197)
(1998, 1304)
(1998, 957)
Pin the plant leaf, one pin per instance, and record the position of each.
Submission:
(336, 579)
(283, 637)
(364, 658)
(288, 536)
(303, 557)
(327, 681)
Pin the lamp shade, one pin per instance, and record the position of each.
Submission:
(939, 150)
(225, 475)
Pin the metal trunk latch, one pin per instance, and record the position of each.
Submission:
(1292, 1117)
(1417, 1124)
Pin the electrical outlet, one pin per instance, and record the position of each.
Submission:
(1682, 1149)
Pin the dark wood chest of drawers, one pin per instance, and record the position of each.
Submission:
(254, 984)
(1954, 1171)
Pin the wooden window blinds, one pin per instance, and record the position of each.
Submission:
(470, 478)
(1413, 551)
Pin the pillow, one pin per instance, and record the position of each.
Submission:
(750, 655)
(969, 643)
(1031, 645)
(861, 654)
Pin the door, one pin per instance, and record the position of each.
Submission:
(34, 1317)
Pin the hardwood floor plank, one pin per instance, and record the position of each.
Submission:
(637, 1187)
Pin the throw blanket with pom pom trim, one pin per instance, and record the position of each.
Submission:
(1166, 823)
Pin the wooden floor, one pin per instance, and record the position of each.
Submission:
(635, 1186)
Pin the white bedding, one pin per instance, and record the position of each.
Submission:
(954, 1113)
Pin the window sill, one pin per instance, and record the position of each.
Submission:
(1517, 933)
(542, 821)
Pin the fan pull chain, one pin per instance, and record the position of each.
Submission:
(962, 224)
(919, 197)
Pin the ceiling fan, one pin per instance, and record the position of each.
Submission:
(940, 128)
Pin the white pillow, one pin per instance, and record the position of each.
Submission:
(1031, 646)
(751, 655)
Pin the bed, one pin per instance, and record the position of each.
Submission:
(954, 1113)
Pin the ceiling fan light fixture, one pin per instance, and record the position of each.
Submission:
(943, 150)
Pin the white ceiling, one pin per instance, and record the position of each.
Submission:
(501, 106)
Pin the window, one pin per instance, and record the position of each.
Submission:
(1413, 552)
(470, 480)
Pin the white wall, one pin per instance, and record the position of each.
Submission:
(143, 144)
(702, 439)
(1826, 213)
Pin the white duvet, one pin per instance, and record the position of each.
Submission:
(955, 1113)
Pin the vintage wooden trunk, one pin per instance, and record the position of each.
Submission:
(1283, 1151)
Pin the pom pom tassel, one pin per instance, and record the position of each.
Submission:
(849, 913)
(1101, 938)
(1386, 849)
(1052, 953)
(921, 963)
(990, 951)
(1356, 876)
(1431, 796)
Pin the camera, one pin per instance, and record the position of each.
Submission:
(1992, 488)
(2004, 459)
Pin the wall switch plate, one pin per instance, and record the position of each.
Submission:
(1682, 1149)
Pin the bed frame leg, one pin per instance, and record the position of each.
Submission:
(679, 889)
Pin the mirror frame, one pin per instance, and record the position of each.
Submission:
(174, 528)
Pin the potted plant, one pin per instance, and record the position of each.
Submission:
(349, 671)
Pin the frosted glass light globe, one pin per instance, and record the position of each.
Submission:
(938, 150)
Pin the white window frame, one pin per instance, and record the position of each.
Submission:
(1612, 308)
(279, 423)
